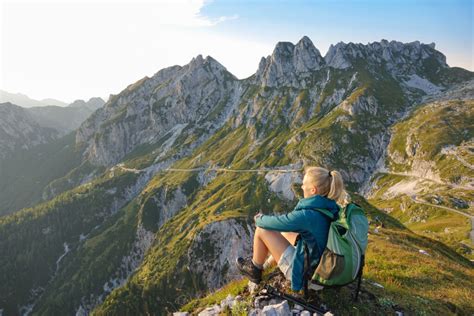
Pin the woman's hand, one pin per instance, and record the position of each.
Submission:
(259, 214)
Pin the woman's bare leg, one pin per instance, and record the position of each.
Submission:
(291, 237)
(267, 242)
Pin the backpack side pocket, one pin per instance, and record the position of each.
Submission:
(331, 265)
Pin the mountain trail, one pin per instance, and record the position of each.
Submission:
(234, 170)
(456, 186)
(471, 234)
(452, 151)
(121, 166)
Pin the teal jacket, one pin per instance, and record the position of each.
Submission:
(313, 227)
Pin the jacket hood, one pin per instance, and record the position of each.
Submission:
(318, 201)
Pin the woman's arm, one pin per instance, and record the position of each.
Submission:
(291, 222)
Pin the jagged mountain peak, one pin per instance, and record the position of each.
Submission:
(197, 70)
(305, 40)
(288, 48)
(289, 64)
(399, 58)
(415, 46)
(283, 49)
(148, 109)
(199, 59)
(210, 64)
(196, 62)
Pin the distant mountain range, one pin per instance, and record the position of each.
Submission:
(146, 204)
(66, 119)
(29, 136)
(24, 101)
(22, 128)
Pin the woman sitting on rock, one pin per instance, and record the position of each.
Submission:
(276, 235)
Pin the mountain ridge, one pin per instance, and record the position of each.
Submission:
(240, 84)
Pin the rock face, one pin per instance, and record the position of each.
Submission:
(289, 64)
(215, 248)
(281, 182)
(19, 130)
(398, 58)
(165, 204)
(462, 91)
(198, 94)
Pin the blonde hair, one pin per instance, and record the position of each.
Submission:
(328, 183)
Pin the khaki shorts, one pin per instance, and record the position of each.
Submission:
(286, 262)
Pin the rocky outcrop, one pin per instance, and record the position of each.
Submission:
(367, 105)
(281, 182)
(166, 203)
(289, 64)
(215, 248)
(462, 91)
(399, 58)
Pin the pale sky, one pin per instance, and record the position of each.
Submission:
(70, 50)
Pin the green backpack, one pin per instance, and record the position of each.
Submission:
(343, 259)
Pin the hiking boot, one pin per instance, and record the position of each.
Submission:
(247, 268)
